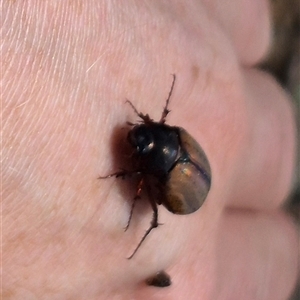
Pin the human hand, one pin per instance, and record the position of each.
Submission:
(67, 69)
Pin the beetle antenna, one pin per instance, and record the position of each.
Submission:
(145, 118)
(166, 111)
(133, 107)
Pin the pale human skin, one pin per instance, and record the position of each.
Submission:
(67, 68)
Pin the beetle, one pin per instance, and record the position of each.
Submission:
(169, 160)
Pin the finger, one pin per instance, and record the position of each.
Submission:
(257, 257)
(248, 25)
(265, 171)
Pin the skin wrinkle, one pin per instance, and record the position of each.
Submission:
(45, 125)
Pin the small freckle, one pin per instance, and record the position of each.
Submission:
(195, 72)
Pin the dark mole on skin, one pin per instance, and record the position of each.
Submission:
(160, 279)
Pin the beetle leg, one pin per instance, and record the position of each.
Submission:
(137, 196)
(122, 173)
(154, 224)
(166, 111)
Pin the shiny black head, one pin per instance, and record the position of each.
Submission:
(142, 139)
(155, 145)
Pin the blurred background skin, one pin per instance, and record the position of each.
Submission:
(281, 64)
(283, 61)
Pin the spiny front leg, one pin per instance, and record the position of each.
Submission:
(166, 110)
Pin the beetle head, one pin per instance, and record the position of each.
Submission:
(141, 139)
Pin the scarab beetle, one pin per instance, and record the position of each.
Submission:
(171, 165)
